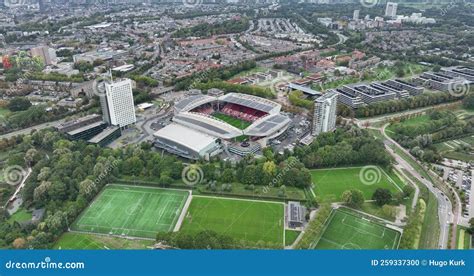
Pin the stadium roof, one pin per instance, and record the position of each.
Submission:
(254, 102)
(208, 124)
(193, 101)
(267, 125)
(304, 89)
(185, 136)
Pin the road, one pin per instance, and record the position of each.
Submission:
(444, 204)
(29, 129)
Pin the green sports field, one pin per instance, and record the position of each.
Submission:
(251, 221)
(132, 211)
(240, 124)
(72, 240)
(346, 230)
(329, 184)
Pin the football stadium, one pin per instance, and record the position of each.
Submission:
(204, 125)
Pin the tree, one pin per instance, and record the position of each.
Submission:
(87, 188)
(19, 104)
(382, 196)
(19, 243)
(468, 101)
(389, 211)
(227, 176)
(353, 198)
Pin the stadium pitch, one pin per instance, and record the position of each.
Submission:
(348, 230)
(132, 211)
(329, 184)
(251, 221)
(235, 122)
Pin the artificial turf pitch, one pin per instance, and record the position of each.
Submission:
(252, 221)
(238, 123)
(132, 211)
(346, 230)
(329, 184)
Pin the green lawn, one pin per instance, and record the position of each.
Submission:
(329, 184)
(375, 210)
(4, 112)
(255, 222)
(90, 241)
(132, 211)
(290, 237)
(20, 216)
(240, 124)
(346, 230)
(464, 238)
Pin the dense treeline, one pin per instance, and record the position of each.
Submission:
(214, 74)
(200, 240)
(244, 89)
(296, 98)
(392, 106)
(67, 175)
(206, 29)
(315, 228)
(344, 147)
(420, 138)
(412, 232)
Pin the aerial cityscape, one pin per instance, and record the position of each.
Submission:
(236, 124)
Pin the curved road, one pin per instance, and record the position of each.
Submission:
(444, 204)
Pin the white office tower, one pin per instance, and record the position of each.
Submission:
(355, 17)
(391, 9)
(324, 117)
(118, 108)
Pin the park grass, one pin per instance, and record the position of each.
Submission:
(4, 112)
(238, 123)
(347, 230)
(291, 236)
(72, 240)
(463, 237)
(260, 191)
(375, 210)
(430, 227)
(329, 184)
(132, 211)
(451, 149)
(254, 222)
(258, 69)
(20, 216)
